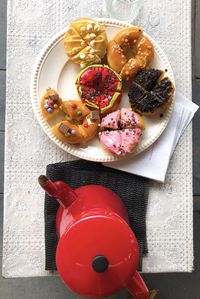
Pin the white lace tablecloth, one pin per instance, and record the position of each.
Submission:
(29, 150)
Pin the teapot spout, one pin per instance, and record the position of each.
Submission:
(138, 288)
(62, 192)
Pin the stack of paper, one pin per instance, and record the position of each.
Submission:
(148, 163)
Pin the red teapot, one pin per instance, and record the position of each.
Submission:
(97, 252)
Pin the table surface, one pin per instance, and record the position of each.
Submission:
(171, 286)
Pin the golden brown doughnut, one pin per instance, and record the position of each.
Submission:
(89, 127)
(115, 57)
(80, 124)
(129, 51)
(61, 131)
(128, 37)
(145, 52)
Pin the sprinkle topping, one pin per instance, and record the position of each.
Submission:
(92, 35)
(73, 132)
(79, 113)
(50, 110)
(74, 106)
(97, 27)
(51, 102)
(89, 27)
(82, 56)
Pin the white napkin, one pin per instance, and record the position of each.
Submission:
(148, 163)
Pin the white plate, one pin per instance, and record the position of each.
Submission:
(53, 69)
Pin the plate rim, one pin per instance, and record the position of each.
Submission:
(46, 128)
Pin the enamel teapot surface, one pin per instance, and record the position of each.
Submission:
(97, 252)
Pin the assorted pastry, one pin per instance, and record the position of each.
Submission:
(99, 87)
(85, 42)
(122, 130)
(151, 93)
(129, 51)
(79, 124)
(105, 65)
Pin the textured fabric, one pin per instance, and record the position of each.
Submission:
(133, 191)
(28, 150)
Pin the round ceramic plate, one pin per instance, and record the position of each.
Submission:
(53, 69)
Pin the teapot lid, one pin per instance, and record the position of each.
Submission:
(97, 256)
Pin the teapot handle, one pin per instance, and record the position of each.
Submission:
(137, 287)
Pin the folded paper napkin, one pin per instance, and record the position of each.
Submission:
(147, 164)
(133, 190)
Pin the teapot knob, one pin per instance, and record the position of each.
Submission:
(100, 263)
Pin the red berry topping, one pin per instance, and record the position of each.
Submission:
(74, 106)
(85, 125)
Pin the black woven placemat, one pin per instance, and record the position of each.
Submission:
(132, 189)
